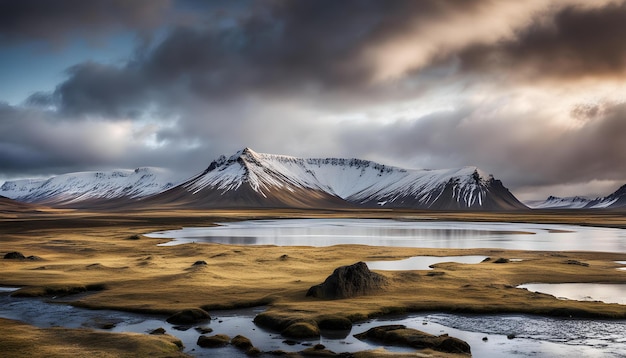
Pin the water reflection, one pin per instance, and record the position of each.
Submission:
(608, 293)
(421, 262)
(427, 234)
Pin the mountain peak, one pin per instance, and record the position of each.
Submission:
(358, 182)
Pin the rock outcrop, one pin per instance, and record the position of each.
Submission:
(349, 281)
(400, 335)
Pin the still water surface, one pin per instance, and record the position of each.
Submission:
(384, 232)
(534, 336)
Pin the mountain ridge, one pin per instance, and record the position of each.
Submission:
(615, 200)
(250, 179)
(356, 182)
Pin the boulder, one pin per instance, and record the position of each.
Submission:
(301, 330)
(241, 342)
(349, 281)
(216, 341)
(199, 263)
(253, 352)
(401, 336)
(189, 316)
(14, 256)
(159, 330)
(501, 260)
(334, 323)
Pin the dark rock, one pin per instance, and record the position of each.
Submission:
(253, 352)
(189, 316)
(106, 325)
(485, 339)
(571, 262)
(14, 256)
(501, 260)
(133, 237)
(159, 330)
(435, 273)
(216, 341)
(313, 352)
(510, 336)
(336, 323)
(241, 342)
(182, 328)
(199, 263)
(204, 330)
(402, 336)
(34, 258)
(487, 259)
(284, 257)
(319, 346)
(290, 342)
(302, 330)
(349, 281)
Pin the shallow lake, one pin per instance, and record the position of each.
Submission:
(385, 232)
(607, 293)
(534, 336)
(421, 262)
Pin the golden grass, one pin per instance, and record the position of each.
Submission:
(86, 250)
(21, 340)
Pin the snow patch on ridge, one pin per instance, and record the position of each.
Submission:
(75, 187)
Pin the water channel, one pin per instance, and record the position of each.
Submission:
(486, 334)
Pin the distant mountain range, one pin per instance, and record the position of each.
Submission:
(612, 201)
(249, 180)
(90, 188)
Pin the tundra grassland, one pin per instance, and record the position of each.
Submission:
(107, 255)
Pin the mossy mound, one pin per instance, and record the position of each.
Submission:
(189, 316)
(216, 341)
(402, 336)
(302, 330)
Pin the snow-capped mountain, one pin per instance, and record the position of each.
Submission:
(615, 200)
(78, 189)
(555, 202)
(254, 179)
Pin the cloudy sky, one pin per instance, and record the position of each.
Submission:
(532, 91)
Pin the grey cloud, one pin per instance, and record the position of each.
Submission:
(287, 48)
(54, 21)
(38, 142)
(576, 42)
(542, 156)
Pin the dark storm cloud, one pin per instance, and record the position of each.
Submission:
(54, 21)
(574, 42)
(283, 48)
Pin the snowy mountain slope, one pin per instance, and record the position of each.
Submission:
(73, 188)
(255, 179)
(615, 200)
(555, 202)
